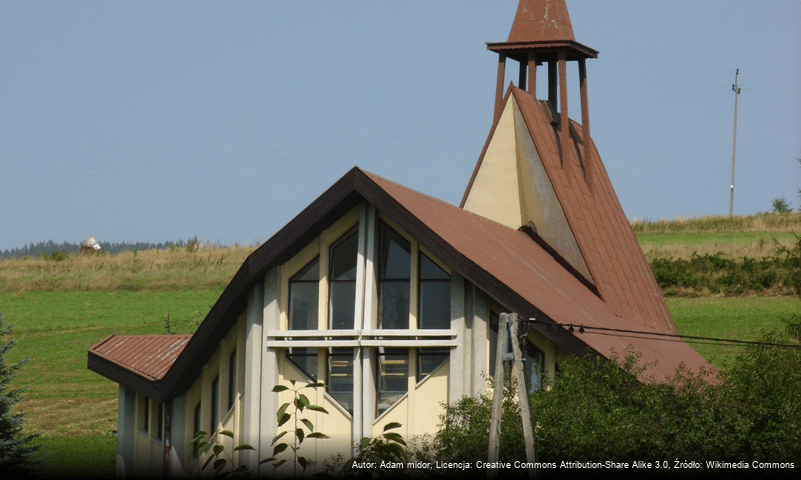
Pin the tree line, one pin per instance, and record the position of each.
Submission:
(50, 247)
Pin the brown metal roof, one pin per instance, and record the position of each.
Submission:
(148, 356)
(515, 270)
(542, 26)
(604, 235)
(541, 20)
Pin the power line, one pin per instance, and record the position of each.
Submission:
(265, 156)
(234, 139)
(669, 337)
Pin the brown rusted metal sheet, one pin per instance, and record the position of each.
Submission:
(149, 356)
(508, 262)
(541, 20)
(598, 222)
(542, 26)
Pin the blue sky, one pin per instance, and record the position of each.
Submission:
(153, 121)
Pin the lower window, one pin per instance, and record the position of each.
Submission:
(340, 376)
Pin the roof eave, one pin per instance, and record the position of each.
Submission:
(307, 225)
(519, 50)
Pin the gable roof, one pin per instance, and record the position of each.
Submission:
(505, 263)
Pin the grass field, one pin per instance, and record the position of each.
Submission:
(734, 237)
(58, 309)
(735, 318)
(54, 330)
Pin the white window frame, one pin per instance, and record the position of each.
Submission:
(365, 336)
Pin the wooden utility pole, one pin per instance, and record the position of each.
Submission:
(513, 321)
(734, 142)
(522, 395)
(497, 399)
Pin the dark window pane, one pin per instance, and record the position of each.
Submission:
(231, 379)
(393, 377)
(215, 407)
(431, 271)
(343, 305)
(196, 424)
(303, 297)
(435, 295)
(394, 305)
(343, 258)
(535, 360)
(303, 301)
(429, 359)
(159, 421)
(146, 416)
(309, 273)
(435, 304)
(342, 291)
(305, 358)
(395, 256)
(340, 376)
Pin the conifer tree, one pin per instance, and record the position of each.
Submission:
(16, 447)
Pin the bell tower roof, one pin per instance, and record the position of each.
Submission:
(541, 21)
(542, 26)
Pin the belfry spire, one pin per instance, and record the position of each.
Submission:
(541, 21)
(541, 33)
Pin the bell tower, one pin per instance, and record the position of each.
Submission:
(542, 34)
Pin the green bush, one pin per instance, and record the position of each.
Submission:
(718, 274)
(463, 434)
(597, 409)
(780, 205)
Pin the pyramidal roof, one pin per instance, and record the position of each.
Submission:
(541, 26)
(541, 21)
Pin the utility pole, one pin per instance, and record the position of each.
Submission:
(736, 90)
(510, 321)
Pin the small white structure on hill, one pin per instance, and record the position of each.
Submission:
(89, 244)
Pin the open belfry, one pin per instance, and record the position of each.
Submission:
(386, 302)
(540, 171)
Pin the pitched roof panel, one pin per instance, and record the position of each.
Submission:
(594, 213)
(512, 261)
(149, 356)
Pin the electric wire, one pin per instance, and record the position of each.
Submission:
(669, 337)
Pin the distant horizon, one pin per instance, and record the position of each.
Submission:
(120, 246)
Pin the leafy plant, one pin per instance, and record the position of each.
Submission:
(596, 408)
(780, 205)
(464, 427)
(290, 411)
(219, 458)
(389, 447)
(792, 258)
